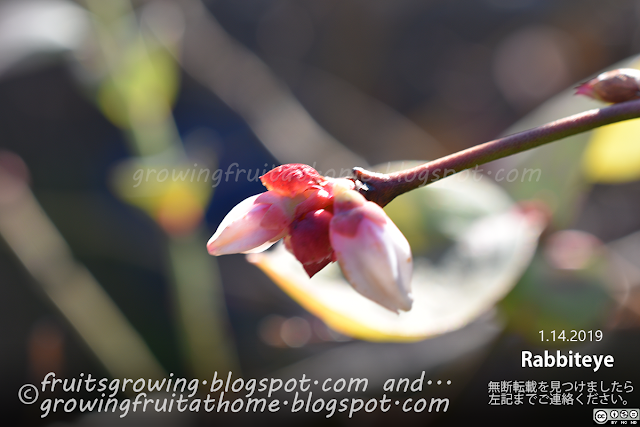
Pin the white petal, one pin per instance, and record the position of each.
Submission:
(377, 262)
(238, 211)
(240, 230)
(266, 245)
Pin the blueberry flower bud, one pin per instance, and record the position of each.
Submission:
(323, 220)
(613, 86)
(372, 252)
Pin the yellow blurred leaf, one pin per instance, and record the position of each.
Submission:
(179, 210)
(175, 195)
(613, 153)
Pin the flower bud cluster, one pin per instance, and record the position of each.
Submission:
(323, 220)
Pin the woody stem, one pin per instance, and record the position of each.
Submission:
(383, 188)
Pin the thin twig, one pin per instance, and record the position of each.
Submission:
(383, 188)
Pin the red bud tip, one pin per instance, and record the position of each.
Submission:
(291, 179)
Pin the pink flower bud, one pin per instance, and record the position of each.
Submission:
(374, 255)
(613, 86)
(253, 225)
(323, 220)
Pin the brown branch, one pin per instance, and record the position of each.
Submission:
(383, 188)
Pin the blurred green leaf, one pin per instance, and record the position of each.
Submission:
(443, 212)
(483, 264)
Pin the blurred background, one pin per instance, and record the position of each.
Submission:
(103, 268)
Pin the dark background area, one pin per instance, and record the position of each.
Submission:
(460, 71)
